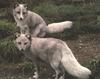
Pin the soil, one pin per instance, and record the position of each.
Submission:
(86, 47)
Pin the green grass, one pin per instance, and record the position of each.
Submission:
(8, 51)
(8, 26)
(85, 17)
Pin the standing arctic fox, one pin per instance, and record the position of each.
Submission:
(54, 52)
(30, 22)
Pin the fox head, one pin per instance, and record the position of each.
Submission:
(20, 11)
(22, 41)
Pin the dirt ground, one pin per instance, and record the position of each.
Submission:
(85, 47)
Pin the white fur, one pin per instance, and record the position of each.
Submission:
(72, 66)
(30, 23)
(34, 23)
(59, 27)
(21, 14)
(55, 52)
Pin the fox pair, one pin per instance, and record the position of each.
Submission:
(52, 51)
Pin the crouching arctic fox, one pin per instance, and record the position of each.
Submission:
(53, 51)
(30, 22)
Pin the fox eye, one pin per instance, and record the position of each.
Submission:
(19, 42)
(25, 43)
(24, 13)
(18, 12)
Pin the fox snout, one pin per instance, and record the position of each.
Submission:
(22, 49)
(21, 18)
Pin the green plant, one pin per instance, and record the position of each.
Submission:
(8, 51)
(8, 26)
(95, 66)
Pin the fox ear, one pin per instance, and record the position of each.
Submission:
(17, 35)
(16, 5)
(28, 35)
(25, 5)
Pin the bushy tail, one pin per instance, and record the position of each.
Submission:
(72, 66)
(59, 27)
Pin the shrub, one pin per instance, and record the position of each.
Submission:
(95, 67)
(8, 26)
(8, 51)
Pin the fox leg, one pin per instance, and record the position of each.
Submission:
(60, 72)
(63, 73)
(36, 75)
(57, 73)
(56, 69)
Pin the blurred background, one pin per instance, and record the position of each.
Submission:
(83, 38)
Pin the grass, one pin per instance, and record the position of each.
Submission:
(8, 51)
(84, 17)
(8, 26)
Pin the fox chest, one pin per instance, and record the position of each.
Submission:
(26, 26)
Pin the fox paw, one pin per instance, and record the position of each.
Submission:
(35, 76)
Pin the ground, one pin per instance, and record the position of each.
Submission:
(85, 47)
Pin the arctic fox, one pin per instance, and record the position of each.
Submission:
(53, 51)
(30, 22)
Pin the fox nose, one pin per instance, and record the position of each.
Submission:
(21, 18)
(22, 49)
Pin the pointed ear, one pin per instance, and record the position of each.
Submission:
(25, 5)
(15, 5)
(17, 35)
(28, 35)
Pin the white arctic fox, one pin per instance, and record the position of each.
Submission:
(53, 51)
(30, 22)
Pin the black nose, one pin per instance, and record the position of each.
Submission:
(22, 49)
(21, 18)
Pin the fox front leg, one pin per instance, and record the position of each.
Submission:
(36, 76)
(36, 73)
